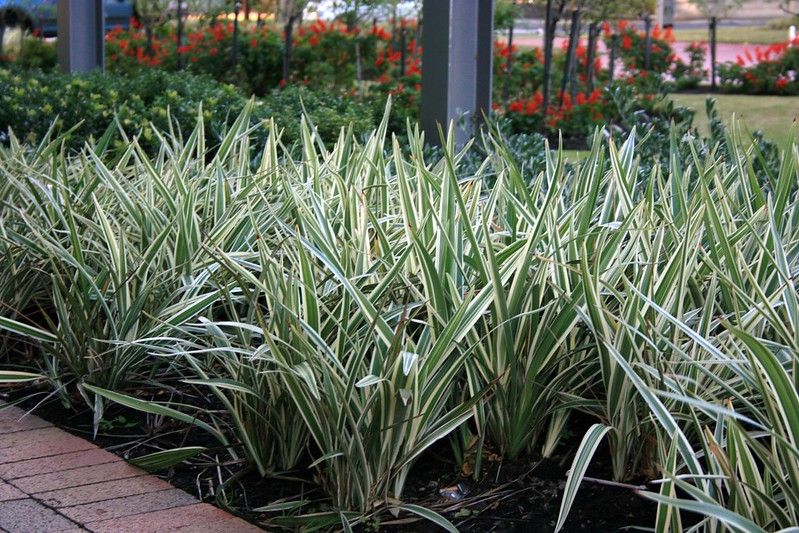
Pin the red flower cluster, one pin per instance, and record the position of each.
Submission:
(389, 58)
(772, 52)
(624, 27)
(503, 50)
(626, 42)
(768, 70)
(320, 27)
(588, 106)
(527, 106)
(133, 44)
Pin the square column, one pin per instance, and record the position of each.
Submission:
(457, 55)
(81, 28)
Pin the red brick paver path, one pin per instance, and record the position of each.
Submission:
(52, 481)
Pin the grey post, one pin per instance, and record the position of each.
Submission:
(81, 27)
(457, 43)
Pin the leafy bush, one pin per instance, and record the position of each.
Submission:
(322, 53)
(31, 100)
(325, 52)
(406, 100)
(328, 112)
(86, 104)
(37, 54)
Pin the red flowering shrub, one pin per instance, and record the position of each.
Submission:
(323, 54)
(632, 49)
(205, 51)
(690, 75)
(324, 58)
(526, 74)
(326, 53)
(574, 117)
(390, 57)
(770, 70)
(126, 51)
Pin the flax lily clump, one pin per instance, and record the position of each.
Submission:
(348, 306)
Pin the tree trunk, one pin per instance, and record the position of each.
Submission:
(402, 47)
(614, 46)
(648, 42)
(288, 31)
(593, 32)
(352, 25)
(713, 23)
(234, 46)
(180, 33)
(394, 28)
(352, 16)
(568, 71)
(550, 24)
(148, 31)
(358, 70)
(283, 11)
(508, 64)
(2, 31)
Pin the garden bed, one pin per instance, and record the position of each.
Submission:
(523, 494)
(346, 331)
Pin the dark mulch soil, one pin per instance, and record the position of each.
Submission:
(522, 495)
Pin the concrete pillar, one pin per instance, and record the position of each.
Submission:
(457, 42)
(81, 27)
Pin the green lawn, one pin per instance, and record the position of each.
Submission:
(741, 35)
(773, 115)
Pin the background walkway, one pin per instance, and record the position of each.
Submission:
(53, 481)
(725, 51)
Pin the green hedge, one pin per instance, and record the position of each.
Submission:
(31, 100)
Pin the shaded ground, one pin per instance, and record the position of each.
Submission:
(525, 495)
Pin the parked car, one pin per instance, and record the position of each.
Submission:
(40, 15)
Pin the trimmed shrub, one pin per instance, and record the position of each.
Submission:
(327, 111)
(85, 105)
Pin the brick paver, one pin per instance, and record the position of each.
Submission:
(53, 463)
(198, 515)
(10, 492)
(30, 515)
(127, 506)
(76, 477)
(97, 492)
(51, 481)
